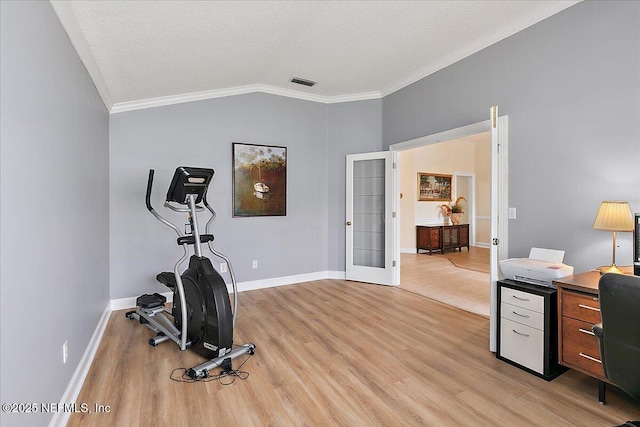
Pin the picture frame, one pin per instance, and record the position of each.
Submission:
(434, 187)
(259, 180)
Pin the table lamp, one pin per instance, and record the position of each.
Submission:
(615, 217)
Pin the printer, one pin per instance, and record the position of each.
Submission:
(541, 268)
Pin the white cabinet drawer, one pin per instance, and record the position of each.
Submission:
(522, 299)
(522, 344)
(522, 315)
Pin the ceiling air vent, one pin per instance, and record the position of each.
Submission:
(303, 82)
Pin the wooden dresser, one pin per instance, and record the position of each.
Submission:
(441, 237)
(578, 311)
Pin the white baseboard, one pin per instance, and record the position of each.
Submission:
(483, 245)
(130, 302)
(70, 395)
(280, 281)
(338, 275)
(407, 250)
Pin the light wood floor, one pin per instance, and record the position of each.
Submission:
(475, 259)
(340, 353)
(460, 279)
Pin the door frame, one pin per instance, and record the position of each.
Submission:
(499, 232)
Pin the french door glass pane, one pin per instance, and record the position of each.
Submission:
(368, 213)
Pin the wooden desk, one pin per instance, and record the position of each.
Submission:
(578, 311)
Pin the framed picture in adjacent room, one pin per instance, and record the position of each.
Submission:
(259, 180)
(433, 187)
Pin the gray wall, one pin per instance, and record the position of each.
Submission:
(54, 207)
(200, 134)
(309, 239)
(571, 88)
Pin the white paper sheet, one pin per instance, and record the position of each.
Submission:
(549, 255)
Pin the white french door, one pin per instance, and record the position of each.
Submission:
(372, 252)
(499, 206)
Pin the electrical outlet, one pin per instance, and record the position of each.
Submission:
(254, 264)
(512, 213)
(65, 352)
(223, 267)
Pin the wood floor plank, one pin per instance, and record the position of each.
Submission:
(340, 353)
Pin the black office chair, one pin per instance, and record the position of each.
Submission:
(619, 332)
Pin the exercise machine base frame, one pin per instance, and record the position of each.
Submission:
(165, 331)
(203, 369)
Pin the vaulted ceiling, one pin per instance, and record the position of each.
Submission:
(146, 53)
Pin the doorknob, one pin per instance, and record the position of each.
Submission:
(348, 222)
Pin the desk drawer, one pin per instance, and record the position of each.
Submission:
(522, 344)
(581, 307)
(579, 347)
(522, 299)
(522, 315)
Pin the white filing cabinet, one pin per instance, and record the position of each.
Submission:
(528, 328)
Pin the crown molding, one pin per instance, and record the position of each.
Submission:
(69, 23)
(482, 43)
(65, 14)
(354, 97)
(240, 90)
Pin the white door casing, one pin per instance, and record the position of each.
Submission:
(499, 213)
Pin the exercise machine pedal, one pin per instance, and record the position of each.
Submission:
(167, 278)
(151, 300)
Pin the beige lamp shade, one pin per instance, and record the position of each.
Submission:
(614, 216)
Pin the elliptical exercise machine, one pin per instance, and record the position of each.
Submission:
(202, 317)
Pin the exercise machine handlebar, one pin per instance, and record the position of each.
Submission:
(149, 185)
(153, 211)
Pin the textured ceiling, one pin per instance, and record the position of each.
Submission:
(146, 50)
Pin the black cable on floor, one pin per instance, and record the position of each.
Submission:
(231, 374)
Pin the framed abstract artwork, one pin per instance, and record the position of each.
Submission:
(259, 180)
